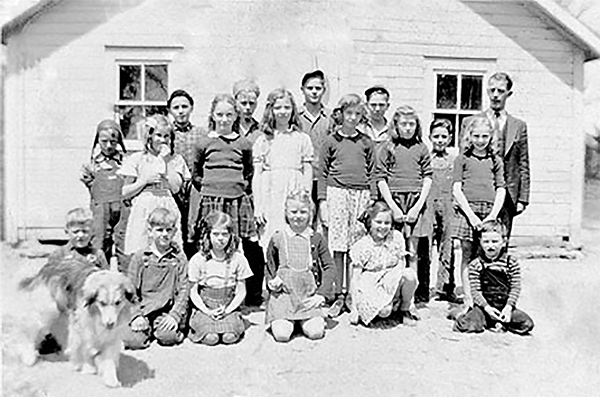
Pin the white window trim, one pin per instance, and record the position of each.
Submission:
(449, 65)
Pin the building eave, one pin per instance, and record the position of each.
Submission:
(16, 24)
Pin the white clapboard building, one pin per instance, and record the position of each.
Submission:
(69, 64)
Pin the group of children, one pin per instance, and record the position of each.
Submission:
(332, 208)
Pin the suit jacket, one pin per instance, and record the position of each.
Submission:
(516, 159)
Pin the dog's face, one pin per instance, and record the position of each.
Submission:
(110, 294)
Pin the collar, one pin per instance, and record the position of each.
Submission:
(490, 113)
(151, 250)
(306, 233)
(443, 153)
(187, 127)
(386, 242)
(503, 257)
(99, 157)
(356, 136)
(304, 112)
(233, 137)
(88, 249)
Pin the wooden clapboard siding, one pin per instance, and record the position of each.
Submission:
(61, 80)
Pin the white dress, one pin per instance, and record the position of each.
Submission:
(282, 159)
(151, 197)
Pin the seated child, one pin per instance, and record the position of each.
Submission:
(79, 250)
(381, 284)
(158, 273)
(217, 274)
(300, 273)
(495, 279)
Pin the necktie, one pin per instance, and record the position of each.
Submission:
(497, 139)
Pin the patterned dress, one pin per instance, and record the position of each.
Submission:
(281, 159)
(378, 269)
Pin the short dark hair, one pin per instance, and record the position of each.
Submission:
(502, 76)
(494, 226)
(443, 123)
(315, 74)
(178, 93)
(376, 89)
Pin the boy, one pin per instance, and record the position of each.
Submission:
(495, 279)
(314, 120)
(376, 127)
(75, 260)
(159, 275)
(440, 204)
(79, 249)
(246, 93)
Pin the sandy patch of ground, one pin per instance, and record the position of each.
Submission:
(561, 358)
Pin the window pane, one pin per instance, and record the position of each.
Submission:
(150, 110)
(130, 119)
(471, 92)
(129, 82)
(156, 83)
(446, 91)
(452, 119)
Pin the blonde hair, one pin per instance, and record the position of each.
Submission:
(345, 102)
(268, 121)
(162, 217)
(78, 216)
(216, 100)
(477, 121)
(157, 122)
(302, 196)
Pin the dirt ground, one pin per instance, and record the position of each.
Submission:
(560, 358)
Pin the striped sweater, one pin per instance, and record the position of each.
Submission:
(505, 263)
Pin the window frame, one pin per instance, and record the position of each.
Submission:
(135, 143)
(459, 67)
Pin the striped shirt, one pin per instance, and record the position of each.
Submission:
(505, 263)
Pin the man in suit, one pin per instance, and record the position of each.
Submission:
(510, 140)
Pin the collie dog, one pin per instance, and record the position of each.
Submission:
(97, 305)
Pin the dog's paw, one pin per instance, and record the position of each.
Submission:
(88, 369)
(111, 381)
(28, 356)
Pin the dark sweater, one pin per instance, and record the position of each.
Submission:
(404, 166)
(223, 166)
(346, 162)
(480, 176)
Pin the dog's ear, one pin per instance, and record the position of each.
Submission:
(129, 291)
(90, 294)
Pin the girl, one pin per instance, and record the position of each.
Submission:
(479, 191)
(187, 135)
(282, 162)
(380, 281)
(299, 273)
(106, 200)
(152, 177)
(222, 174)
(217, 273)
(404, 178)
(347, 159)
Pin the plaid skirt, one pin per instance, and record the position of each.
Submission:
(202, 325)
(461, 228)
(423, 226)
(239, 209)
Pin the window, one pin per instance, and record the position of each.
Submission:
(142, 91)
(457, 95)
